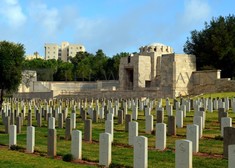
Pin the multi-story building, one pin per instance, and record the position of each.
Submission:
(63, 52)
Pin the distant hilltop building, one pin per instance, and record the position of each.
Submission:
(34, 56)
(63, 52)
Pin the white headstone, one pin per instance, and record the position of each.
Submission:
(198, 121)
(51, 123)
(179, 118)
(134, 112)
(183, 154)
(73, 120)
(149, 124)
(76, 144)
(169, 110)
(225, 122)
(12, 135)
(132, 132)
(160, 136)
(109, 128)
(141, 152)
(193, 135)
(210, 105)
(147, 111)
(105, 151)
(109, 116)
(30, 139)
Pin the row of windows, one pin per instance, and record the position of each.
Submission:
(60, 49)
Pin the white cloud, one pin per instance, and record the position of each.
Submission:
(196, 11)
(47, 19)
(12, 13)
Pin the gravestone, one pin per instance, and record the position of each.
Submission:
(120, 116)
(29, 119)
(133, 132)
(198, 121)
(105, 149)
(141, 152)
(225, 122)
(169, 110)
(30, 139)
(51, 122)
(134, 112)
(95, 116)
(60, 120)
(220, 113)
(183, 154)
(149, 124)
(179, 118)
(68, 129)
(73, 120)
(231, 156)
(39, 119)
(128, 119)
(147, 111)
(88, 130)
(12, 121)
(51, 143)
(76, 144)
(7, 124)
(160, 115)
(171, 129)
(12, 135)
(109, 116)
(109, 128)
(229, 139)
(18, 124)
(160, 136)
(192, 134)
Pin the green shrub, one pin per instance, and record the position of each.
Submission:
(68, 157)
(14, 147)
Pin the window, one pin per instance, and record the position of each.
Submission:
(129, 59)
(147, 84)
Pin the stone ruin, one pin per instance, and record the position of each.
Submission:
(156, 68)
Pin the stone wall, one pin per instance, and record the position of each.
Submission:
(184, 66)
(112, 94)
(209, 81)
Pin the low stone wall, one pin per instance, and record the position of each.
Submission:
(220, 85)
(111, 94)
(30, 95)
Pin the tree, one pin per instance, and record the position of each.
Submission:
(214, 46)
(63, 72)
(44, 68)
(112, 65)
(11, 60)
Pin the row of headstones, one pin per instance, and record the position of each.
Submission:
(184, 148)
(71, 124)
(140, 146)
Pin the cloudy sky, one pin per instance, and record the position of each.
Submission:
(112, 25)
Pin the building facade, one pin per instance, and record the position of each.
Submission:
(63, 52)
(157, 68)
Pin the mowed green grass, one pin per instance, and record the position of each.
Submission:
(210, 149)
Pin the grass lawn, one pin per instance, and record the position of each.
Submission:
(210, 148)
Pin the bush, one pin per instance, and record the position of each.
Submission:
(14, 147)
(68, 157)
(219, 137)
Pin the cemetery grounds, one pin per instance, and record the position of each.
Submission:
(210, 145)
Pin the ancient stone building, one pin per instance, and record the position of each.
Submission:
(157, 68)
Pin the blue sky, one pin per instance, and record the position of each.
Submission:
(111, 25)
